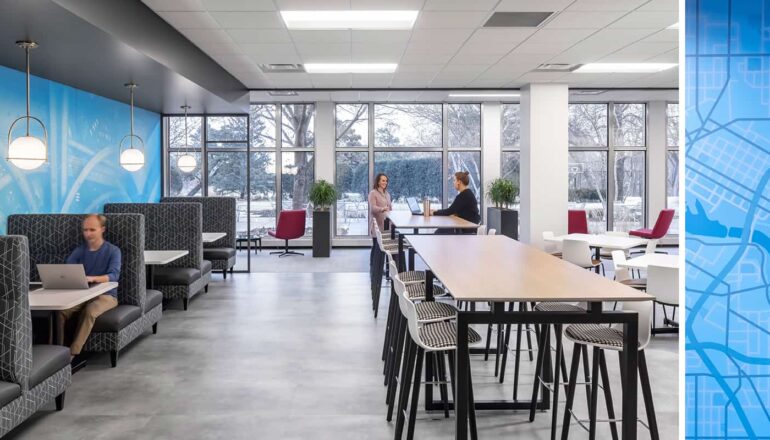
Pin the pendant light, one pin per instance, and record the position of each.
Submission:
(27, 152)
(186, 162)
(132, 159)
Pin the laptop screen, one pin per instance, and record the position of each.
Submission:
(413, 205)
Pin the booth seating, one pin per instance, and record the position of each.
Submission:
(30, 375)
(52, 237)
(218, 216)
(173, 226)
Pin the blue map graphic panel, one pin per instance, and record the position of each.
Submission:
(83, 171)
(727, 161)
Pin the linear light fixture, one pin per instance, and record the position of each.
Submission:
(484, 95)
(624, 67)
(346, 19)
(350, 67)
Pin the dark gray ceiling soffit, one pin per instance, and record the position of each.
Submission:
(125, 42)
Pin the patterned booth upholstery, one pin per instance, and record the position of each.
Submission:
(30, 376)
(173, 226)
(52, 237)
(218, 216)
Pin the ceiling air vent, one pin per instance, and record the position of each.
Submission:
(282, 68)
(556, 67)
(282, 93)
(517, 19)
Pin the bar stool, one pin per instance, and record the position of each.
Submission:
(435, 339)
(602, 338)
(427, 312)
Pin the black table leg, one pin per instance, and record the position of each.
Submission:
(401, 262)
(630, 356)
(151, 276)
(411, 258)
(598, 257)
(462, 380)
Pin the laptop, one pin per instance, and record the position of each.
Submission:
(414, 205)
(63, 276)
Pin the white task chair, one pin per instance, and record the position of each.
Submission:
(623, 274)
(549, 246)
(481, 230)
(663, 284)
(602, 338)
(607, 253)
(492, 231)
(579, 253)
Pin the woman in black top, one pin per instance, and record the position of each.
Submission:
(464, 205)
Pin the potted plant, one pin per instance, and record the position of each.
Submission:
(322, 196)
(503, 193)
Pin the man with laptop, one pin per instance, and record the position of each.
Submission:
(101, 261)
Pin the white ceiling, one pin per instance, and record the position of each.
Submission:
(447, 48)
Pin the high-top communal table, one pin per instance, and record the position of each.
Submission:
(407, 220)
(603, 241)
(499, 270)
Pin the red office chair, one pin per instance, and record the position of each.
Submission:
(291, 225)
(659, 230)
(577, 222)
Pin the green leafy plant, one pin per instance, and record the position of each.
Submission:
(322, 194)
(502, 192)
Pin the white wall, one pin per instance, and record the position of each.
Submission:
(544, 160)
(490, 144)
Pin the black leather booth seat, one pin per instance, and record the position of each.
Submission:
(176, 275)
(152, 299)
(117, 319)
(223, 253)
(47, 360)
(8, 392)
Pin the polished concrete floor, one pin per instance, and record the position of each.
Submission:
(287, 356)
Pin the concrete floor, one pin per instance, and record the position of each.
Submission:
(287, 356)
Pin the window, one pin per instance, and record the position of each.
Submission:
(469, 161)
(510, 141)
(411, 174)
(181, 183)
(588, 187)
(588, 125)
(352, 193)
(352, 125)
(464, 125)
(408, 125)
(672, 164)
(628, 206)
(297, 126)
(262, 200)
(262, 125)
(629, 125)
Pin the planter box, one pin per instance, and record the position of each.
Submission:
(505, 221)
(322, 233)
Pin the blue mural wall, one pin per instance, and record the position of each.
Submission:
(727, 159)
(82, 173)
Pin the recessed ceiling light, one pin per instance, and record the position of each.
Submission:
(350, 67)
(484, 95)
(674, 26)
(624, 67)
(322, 20)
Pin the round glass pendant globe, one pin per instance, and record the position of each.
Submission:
(27, 152)
(187, 163)
(132, 159)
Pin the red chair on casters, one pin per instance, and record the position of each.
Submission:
(291, 225)
(577, 221)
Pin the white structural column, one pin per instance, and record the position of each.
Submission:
(544, 161)
(324, 141)
(490, 146)
(656, 160)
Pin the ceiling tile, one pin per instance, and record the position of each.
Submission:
(523, 61)
(563, 36)
(531, 77)
(606, 5)
(459, 5)
(394, 37)
(207, 36)
(320, 37)
(380, 5)
(500, 35)
(639, 52)
(403, 96)
(440, 37)
(324, 53)
(371, 80)
(330, 80)
(174, 5)
(498, 49)
(660, 5)
(667, 35)
(377, 52)
(487, 82)
(345, 96)
(183, 20)
(672, 56)
(412, 56)
(472, 57)
(449, 20)
(646, 20)
(532, 6)
(419, 68)
(465, 69)
(219, 48)
(289, 80)
(264, 36)
(239, 5)
(249, 20)
(312, 5)
(271, 53)
(583, 19)
(409, 82)
(375, 95)
(603, 43)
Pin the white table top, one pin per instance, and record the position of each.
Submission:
(162, 257)
(405, 219)
(645, 260)
(42, 299)
(210, 237)
(499, 269)
(614, 242)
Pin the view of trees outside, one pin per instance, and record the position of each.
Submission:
(180, 183)
(629, 171)
(411, 174)
(352, 123)
(588, 125)
(469, 161)
(588, 187)
(352, 190)
(672, 163)
(464, 125)
(510, 123)
(630, 122)
(510, 165)
(184, 184)
(407, 125)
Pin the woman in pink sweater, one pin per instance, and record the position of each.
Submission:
(379, 205)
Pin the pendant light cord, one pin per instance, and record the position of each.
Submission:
(26, 49)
